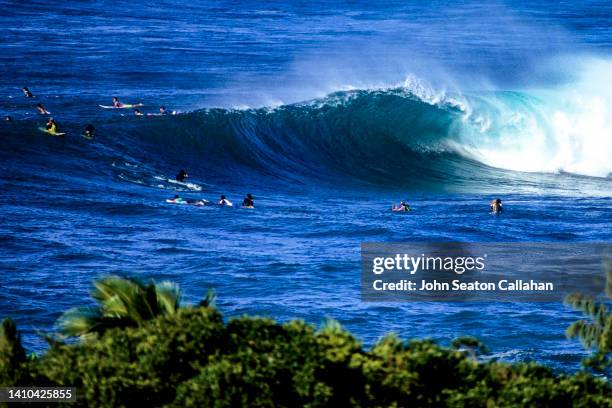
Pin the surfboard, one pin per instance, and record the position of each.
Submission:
(190, 186)
(197, 203)
(124, 106)
(42, 129)
(87, 137)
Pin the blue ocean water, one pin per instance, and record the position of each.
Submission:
(327, 112)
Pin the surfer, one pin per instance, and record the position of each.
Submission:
(51, 126)
(198, 203)
(401, 207)
(42, 110)
(176, 199)
(162, 112)
(27, 92)
(89, 131)
(181, 176)
(116, 103)
(496, 206)
(248, 201)
(225, 202)
(137, 112)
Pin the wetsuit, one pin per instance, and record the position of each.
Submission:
(181, 176)
(89, 131)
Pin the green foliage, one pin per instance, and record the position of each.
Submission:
(209, 299)
(148, 352)
(135, 366)
(12, 354)
(193, 359)
(596, 332)
(122, 302)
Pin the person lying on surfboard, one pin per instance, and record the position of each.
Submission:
(119, 105)
(51, 126)
(27, 92)
(176, 199)
(181, 176)
(163, 112)
(137, 112)
(401, 207)
(42, 110)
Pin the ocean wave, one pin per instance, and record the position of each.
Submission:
(406, 135)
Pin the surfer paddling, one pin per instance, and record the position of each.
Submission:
(41, 109)
(27, 92)
(401, 207)
(120, 105)
(89, 131)
(496, 206)
(51, 126)
(163, 112)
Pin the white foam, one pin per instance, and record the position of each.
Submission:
(567, 129)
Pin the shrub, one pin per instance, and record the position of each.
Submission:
(193, 359)
(12, 354)
(188, 357)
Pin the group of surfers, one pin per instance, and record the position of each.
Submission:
(248, 202)
(182, 176)
(52, 127)
(120, 105)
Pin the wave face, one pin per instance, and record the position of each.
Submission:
(407, 136)
(401, 136)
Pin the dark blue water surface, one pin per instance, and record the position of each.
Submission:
(327, 112)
